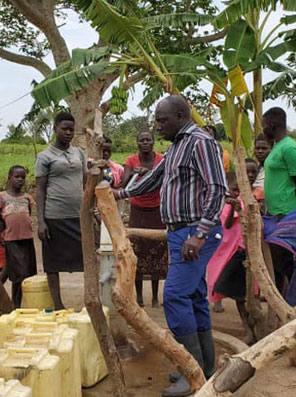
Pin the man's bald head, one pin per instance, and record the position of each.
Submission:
(177, 104)
(171, 114)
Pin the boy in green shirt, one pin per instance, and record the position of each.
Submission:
(280, 196)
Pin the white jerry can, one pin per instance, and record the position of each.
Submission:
(34, 368)
(60, 340)
(13, 388)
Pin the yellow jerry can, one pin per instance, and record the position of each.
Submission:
(62, 342)
(13, 388)
(8, 321)
(36, 293)
(33, 368)
(93, 366)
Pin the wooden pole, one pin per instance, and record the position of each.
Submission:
(238, 369)
(124, 296)
(92, 267)
(152, 234)
(254, 231)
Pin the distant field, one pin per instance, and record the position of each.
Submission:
(17, 154)
(12, 154)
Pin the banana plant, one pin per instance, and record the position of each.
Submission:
(250, 14)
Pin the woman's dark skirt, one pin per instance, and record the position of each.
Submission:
(63, 251)
(232, 280)
(152, 255)
(20, 259)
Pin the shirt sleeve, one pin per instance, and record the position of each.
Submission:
(290, 159)
(149, 183)
(83, 161)
(41, 166)
(208, 162)
(31, 200)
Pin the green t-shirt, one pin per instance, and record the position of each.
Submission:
(279, 186)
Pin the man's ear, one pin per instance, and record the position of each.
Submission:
(180, 115)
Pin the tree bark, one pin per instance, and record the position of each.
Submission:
(258, 100)
(238, 369)
(124, 297)
(152, 234)
(41, 14)
(35, 63)
(254, 231)
(92, 267)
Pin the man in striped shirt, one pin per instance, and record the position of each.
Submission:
(193, 185)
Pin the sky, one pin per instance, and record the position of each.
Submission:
(15, 80)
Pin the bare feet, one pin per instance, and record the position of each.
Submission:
(155, 304)
(218, 308)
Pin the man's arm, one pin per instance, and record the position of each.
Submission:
(149, 183)
(210, 167)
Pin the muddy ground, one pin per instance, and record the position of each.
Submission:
(146, 374)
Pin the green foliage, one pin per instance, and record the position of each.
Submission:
(236, 8)
(74, 75)
(16, 31)
(240, 45)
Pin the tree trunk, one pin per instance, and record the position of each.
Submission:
(92, 267)
(124, 296)
(258, 100)
(238, 369)
(272, 319)
(254, 231)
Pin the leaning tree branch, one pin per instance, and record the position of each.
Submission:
(41, 14)
(92, 265)
(239, 368)
(254, 231)
(26, 60)
(123, 293)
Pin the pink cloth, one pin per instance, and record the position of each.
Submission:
(231, 241)
(117, 172)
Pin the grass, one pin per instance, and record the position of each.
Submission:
(12, 154)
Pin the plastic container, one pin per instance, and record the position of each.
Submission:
(36, 293)
(34, 368)
(9, 321)
(61, 341)
(93, 366)
(13, 388)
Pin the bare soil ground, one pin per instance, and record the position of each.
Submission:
(146, 374)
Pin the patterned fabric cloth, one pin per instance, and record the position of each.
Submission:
(191, 177)
(281, 232)
(152, 255)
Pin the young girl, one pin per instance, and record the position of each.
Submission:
(231, 242)
(231, 280)
(15, 211)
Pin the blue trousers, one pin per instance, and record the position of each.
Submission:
(185, 300)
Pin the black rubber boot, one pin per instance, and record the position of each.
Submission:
(182, 388)
(208, 352)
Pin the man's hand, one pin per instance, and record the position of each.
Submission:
(191, 248)
(234, 203)
(116, 194)
(43, 231)
(141, 170)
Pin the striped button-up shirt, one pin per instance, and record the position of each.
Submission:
(191, 179)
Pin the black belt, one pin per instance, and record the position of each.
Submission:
(176, 226)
